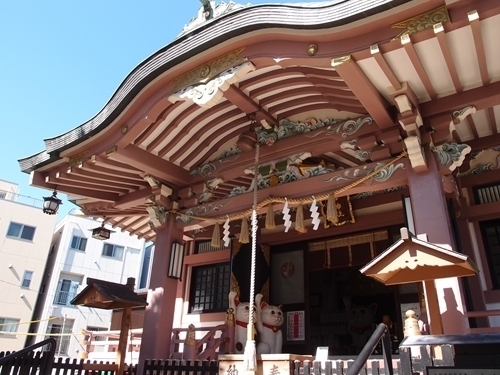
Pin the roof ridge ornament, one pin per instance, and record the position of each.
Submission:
(210, 10)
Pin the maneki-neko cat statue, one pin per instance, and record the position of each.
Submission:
(241, 318)
(269, 321)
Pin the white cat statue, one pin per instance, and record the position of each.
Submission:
(360, 321)
(241, 317)
(269, 321)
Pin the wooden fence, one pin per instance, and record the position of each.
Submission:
(31, 363)
(179, 367)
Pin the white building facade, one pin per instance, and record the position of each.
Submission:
(77, 256)
(25, 242)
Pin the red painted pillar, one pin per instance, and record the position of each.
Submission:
(430, 214)
(159, 314)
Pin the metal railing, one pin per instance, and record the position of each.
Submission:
(380, 334)
(22, 199)
(64, 298)
(41, 364)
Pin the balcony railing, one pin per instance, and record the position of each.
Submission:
(64, 298)
(22, 199)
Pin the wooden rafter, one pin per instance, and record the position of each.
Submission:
(172, 126)
(103, 170)
(419, 68)
(151, 164)
(247, 105)
(107, 180)
(448, 58)
(492, 120)
(480, 53)
(154, 125)
(63, 179)
(481, 97)
(388, 72)
(472, 126)
(366, 92)
(231, 118)
(133, 199)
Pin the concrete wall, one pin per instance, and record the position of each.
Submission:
(17, 256)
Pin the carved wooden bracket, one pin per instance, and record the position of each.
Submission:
(415, 153)
(208, 94)
(161, 193)
(409, 112)
(157, 216)
(459, 116)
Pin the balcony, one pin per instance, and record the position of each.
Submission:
(22, 199)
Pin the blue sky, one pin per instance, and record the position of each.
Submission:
(62, 60)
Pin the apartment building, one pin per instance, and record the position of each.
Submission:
(75, 255)
(25, 239)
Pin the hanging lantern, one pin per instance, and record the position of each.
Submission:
(51, 204)
(101, 233)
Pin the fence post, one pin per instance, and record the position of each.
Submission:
(230, 330)
(190, 344)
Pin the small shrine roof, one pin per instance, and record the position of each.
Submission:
(108, 295)
(412, 259)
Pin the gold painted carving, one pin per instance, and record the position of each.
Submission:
(336, 61)
(207, 71)
(112, 150)
(312, 49)
(422, 22)
(78, 159)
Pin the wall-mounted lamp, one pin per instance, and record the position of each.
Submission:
(51, 204)
(176, 261)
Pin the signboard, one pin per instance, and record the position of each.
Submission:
(295, 330)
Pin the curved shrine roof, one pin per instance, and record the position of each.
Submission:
(340, 83)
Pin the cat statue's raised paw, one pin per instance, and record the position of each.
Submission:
(268, 322)
(241, 318)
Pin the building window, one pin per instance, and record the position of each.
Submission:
(28, 275)
(62, 334)
(210, 288)
(113, 251)
(3, 194)
(24, 232)
(78, 243)
(66, 291)
(9, 325)
(490, 231)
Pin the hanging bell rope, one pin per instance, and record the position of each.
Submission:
(294, 201)
(250, 352)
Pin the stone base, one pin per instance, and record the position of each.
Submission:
(267, 364)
